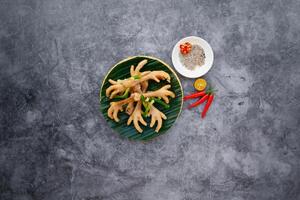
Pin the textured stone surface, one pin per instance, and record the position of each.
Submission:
(54, 144)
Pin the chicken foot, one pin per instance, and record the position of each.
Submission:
(156, 116)
(163, 93)
(137, 117)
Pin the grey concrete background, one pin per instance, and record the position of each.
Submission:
(54, 143)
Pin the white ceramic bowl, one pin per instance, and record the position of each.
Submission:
(199, 70)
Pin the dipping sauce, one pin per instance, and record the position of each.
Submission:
(196, 57)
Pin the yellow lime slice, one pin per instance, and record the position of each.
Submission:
(200, 84)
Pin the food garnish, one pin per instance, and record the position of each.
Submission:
(147, 103)
(136, 100)
(159, 101)
(193, 57)
(207, 105)
(135, 77)
(124, 96)
(200, 84)
(207, 95)
(185, 48)
(198, 102)
(194, 95)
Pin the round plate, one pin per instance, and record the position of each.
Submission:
(199, 70)
(121, 71)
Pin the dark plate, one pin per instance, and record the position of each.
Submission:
(121, 71)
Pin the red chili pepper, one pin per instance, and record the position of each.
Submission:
(198, 102)
(188, 44)
(207, 105)
(184, 50)
(194, 95)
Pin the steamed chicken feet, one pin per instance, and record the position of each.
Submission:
(116, 107)
(156, 76)
(136, 117)
(136, 71)
(119, 87)
(156, 116)
(163, 93)
(140, 102)
(144, 86)
(129, 108)
(114, 90)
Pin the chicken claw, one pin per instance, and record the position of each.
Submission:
(144, 86)
(113, 111)
(156, 76)
(119, 87)
(130, 108)
(133, 72)
(116, 107)
(136, 71)
(162, 93)
(156, 116)
(114, 90)
(136, 117)
(113, 82)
